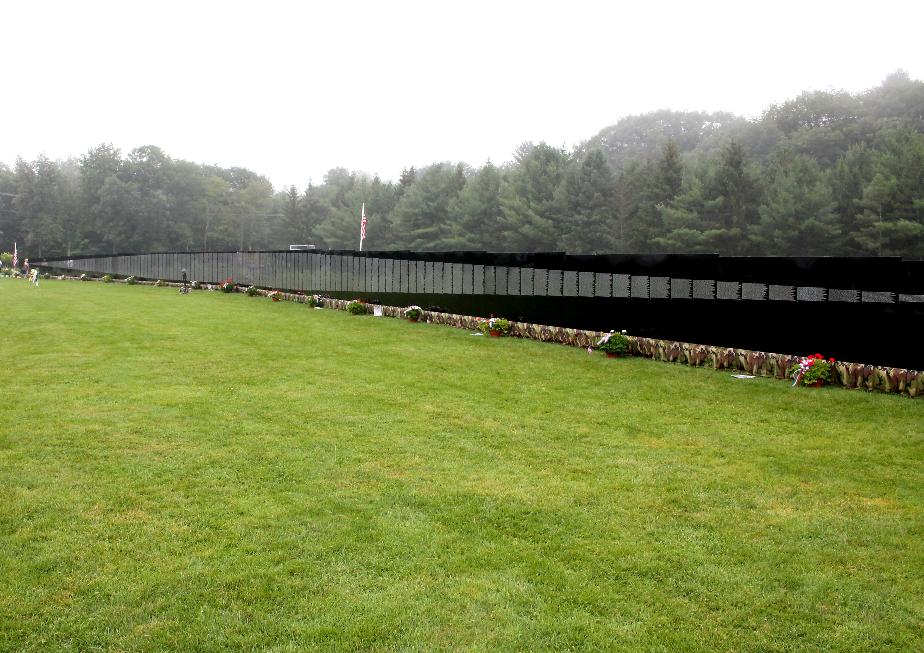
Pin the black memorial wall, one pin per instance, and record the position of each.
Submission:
(859, 309)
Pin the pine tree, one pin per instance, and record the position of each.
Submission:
(797, 217)
(421, 216)
(734, 197)
(588, 199)
(531, 219)
(475, 215)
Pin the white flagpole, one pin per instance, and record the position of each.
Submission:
(361, 227)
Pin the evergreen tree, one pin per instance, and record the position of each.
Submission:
(421, 217)
(379, 208)
(797, 217)
(475, 215)
(658, 185)
(407, 179)
(848, 178)
(588, 199)
(683, 229)
(735, 196)
(528, 199)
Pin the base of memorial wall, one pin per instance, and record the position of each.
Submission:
(858, 376)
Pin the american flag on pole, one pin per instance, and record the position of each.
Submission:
(362, 228)
(15, 256)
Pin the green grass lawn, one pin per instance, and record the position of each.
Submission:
(218, 472)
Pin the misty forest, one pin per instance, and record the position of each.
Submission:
(826, 173)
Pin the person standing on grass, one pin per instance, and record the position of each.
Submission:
(25, 268)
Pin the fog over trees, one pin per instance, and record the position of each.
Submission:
(826, 173)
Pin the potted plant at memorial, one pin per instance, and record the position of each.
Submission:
(227, 285)
(131, 281)
(252, 291)
(196, 285)
(495, 327)
(275, 295)
(314, 301)
(159, 283)
(614, 344)
(413, 313)
(84, 277)
(107, 278)
(813, 371)
(356, 307)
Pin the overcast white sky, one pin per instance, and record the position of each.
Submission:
(291, 90)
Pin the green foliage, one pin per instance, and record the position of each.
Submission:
(529, 198)
(812, 369)
(496, 324)
(475, 215)
(413, 312)
(107, 278)
(421, 216)
(227, 285)
(131, 281)
(587, 197)
(614, 343)
(160, 283)
(356, 307)
(252, 291)
(641, 139)
(6, 258)
(797, 217)
(731, 194)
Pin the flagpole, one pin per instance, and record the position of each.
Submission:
(361, 227)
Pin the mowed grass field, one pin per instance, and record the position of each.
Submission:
(216, 472)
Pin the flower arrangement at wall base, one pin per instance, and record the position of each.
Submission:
(252, 291)
(356, 307)
(107, 278)
(227, 285)
(413, 313)
(196, 285)
(160, 283)
(315, 301)
(84, 277)
(813, 371)
(614, 344)
(495, 326)
(275, 295)
(131, 281)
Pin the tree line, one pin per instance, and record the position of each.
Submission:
(826, 173)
